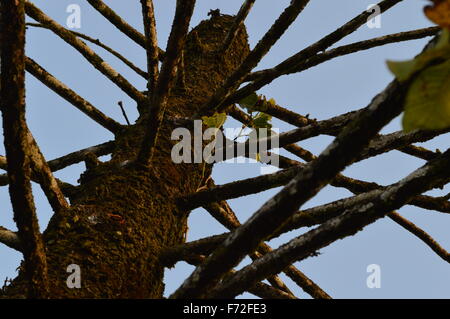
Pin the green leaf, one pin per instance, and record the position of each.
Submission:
(262, 120)
(216, 120)
(427, 102)
(404, 70)
(249, 102)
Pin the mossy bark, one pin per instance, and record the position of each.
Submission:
(122, 217)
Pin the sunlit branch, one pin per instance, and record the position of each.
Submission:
(42, 173)
(316, 175)
(101, 45)
(348, 49)
(86, 51)
(71, 96)
(10, 239)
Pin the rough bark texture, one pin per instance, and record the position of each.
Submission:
(122, 216)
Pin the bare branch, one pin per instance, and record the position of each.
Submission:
(383, 108)
(10, 239)
(254, 57)
(320, 214)
(43, 175)
(151, 43)
(202, 246)
(223, 213)
(121, 24)
(379, 145)
(86, 51)
(103, 46)
(159, 97)
(238, 22)
(339, 227)
(259, 289)
(69, 159)
(350, 48)
(308, 52)
(71, 96)
(12, 99)
(421, 234)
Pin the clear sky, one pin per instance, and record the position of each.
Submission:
(409, 269)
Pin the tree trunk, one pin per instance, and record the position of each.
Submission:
(123, 216)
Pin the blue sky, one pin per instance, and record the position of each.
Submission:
(409, 269)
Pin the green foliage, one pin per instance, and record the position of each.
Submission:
(404, 70)
(427, 102)
(216, 120)
(262, 120)
(249, 102)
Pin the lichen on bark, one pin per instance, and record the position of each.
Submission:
(122, 216)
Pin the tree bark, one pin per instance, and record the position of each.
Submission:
(123, 216)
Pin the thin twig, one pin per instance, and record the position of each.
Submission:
(421, 234)
(123, 112)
